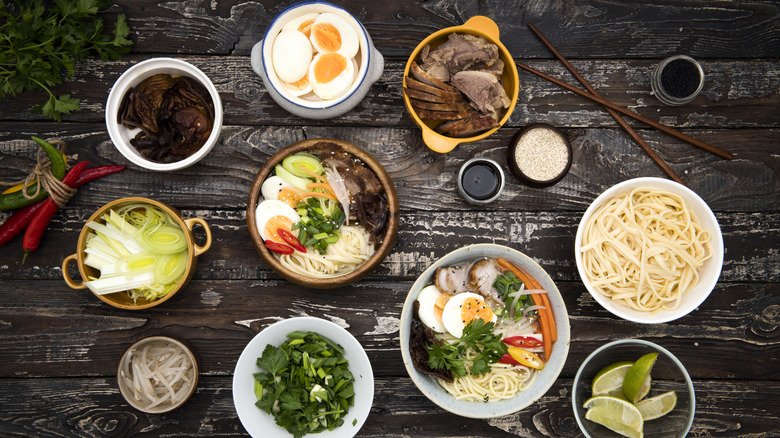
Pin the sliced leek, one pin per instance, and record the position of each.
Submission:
(169, 267)
(163, 239)
(294, 162)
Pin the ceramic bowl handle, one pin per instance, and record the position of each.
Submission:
(483, 24)
(377, 66)
(71, 283)
(437, 142)
(256, 58)
(190, 224)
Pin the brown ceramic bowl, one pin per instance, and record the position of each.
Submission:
(333, 282)
(127, 391)
(528, 180)
(121, 299)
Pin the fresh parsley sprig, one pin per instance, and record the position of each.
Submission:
(39, 41)
(478, 336)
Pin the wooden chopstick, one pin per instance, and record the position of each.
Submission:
(637, 138)
(626, 112)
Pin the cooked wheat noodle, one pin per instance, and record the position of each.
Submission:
(346, 255)
(503, 382)
(644, 249)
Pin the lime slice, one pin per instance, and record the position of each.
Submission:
(615, 414)
(636, 383)
(658, 406)
(609, 381)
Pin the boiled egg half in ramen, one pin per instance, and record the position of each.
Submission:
(431, 305)
(463, 308)
(332, 70)
(273, 214)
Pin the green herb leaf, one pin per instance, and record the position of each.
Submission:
(273, 360)
(478, 336)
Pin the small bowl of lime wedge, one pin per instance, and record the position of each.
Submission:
(633, 388)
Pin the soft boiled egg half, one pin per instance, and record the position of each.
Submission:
(316, 53)
(463, 308)
(272, 215)
(451, 313)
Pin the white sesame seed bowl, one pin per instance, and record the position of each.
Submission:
(539, 155)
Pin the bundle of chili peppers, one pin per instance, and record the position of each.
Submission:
(36, 211)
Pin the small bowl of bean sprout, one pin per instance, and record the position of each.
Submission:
(157, 374)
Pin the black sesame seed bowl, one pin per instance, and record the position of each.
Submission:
(677, 80)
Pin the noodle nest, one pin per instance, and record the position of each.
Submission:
(346, 255)
(644, 249)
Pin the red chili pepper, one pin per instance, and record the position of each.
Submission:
(17, 221)
(34, 232)
(508, 359)
(291, 239)
(278, 247)
(97, 172)
(22, 217)
(523, 341)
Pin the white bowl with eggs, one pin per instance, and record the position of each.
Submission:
(708, 273)
(317, 74)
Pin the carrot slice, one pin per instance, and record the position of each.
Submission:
(546, 320)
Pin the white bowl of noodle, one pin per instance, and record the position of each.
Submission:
(649, 250)
(532, 388)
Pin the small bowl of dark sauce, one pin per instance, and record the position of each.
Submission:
(539, 155)
(480, 180)
(677, 80)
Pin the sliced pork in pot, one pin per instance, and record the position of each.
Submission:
(469, 126)
(483, 90)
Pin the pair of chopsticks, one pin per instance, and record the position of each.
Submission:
(615, 111)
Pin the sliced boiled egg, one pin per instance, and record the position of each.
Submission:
(331, 33)
(463, 308)
(302, 24)
(331, 74)
(271, 187)
(432, 303)
(298, 88)
(291, 56)
(273, 214)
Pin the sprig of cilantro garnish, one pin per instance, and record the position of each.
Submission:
(478, 336)
(39, 40)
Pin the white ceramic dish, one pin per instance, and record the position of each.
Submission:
(546, 377)
(708, 274)
(370, 66)
(121, 135)
(261, 425)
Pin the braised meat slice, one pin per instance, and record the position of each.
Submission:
(452, 279)
(420, 95)
(425, 88)
(459, 52)
(471, 125)
(482, 276)
(483, 89)
(426, 78)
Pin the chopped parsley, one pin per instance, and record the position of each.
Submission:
(478, 336)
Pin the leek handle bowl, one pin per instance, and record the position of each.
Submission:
(121, 299)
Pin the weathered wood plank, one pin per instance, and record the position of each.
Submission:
(425, 180)
(52, 331)
(751, 241)
(585, 29)
(750, 85)
(94, 408)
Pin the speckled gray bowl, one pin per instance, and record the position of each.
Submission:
(546, 377)
(371, 64)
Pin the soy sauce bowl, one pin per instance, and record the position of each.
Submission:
(480, 180)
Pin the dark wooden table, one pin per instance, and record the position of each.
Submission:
(60, 348)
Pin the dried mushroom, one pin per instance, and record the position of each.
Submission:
(175, 116)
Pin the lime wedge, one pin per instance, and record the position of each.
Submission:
(609, 381)
(636, 383)
(615, 414)
(657, 406)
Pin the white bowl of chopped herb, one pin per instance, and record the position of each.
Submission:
(294, 361)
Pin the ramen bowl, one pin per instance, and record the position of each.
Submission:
(121, 299)
(668, 374)
(121, 134)
(370, 65)
(324, 282)
(544, 378)
(708, 273)
(487, 29)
